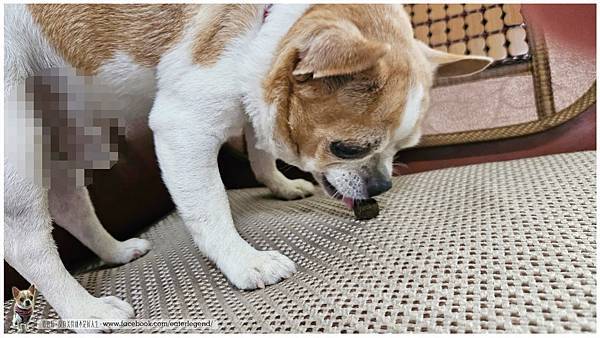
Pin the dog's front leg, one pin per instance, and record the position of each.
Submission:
(15, 321)
(187, 148)
(30, 249)
(265, 169)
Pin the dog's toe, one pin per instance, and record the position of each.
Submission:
(105, 309)
(128, 250)
(120, 308)
(260, 269)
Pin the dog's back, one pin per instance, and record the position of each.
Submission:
(89, 35)
(74, 69)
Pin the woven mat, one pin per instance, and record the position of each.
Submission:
(497, 247)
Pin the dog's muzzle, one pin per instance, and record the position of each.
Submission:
(369, 183)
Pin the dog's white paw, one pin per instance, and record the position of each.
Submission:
(259, 269)
(292, 189)
(109, 308)
(128, 250)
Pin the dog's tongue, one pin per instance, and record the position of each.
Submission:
(349, 202)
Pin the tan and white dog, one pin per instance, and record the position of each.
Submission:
(336, 90)
(23, 308)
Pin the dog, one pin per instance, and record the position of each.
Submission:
(23, 309)
(335, 90)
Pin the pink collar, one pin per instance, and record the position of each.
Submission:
(23, 312)
(267, 11)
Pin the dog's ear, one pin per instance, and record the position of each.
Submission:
(454, 65)
(31, 289)
(15, 292)
(340, 49)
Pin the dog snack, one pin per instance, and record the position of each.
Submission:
(366, 209)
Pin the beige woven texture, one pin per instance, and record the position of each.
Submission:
(496, 247)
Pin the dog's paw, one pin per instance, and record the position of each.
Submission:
(108, 308)
(128, 250)
(259, 269)
(292, 189)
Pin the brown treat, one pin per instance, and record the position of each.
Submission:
(365, 209)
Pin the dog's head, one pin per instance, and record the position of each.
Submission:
(24, 298)
(349, 86)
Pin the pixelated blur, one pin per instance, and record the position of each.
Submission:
(59, 125)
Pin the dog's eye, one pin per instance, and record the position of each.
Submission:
(349, 151)
(22, 299)
(30, 297)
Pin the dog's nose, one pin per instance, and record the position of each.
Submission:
(377, 185)
(27, 302)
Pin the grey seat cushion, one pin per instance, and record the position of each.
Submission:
(496, 247)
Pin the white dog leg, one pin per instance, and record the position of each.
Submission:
(30, 249)
(265, 169)
(187, 154)
(73, 211)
